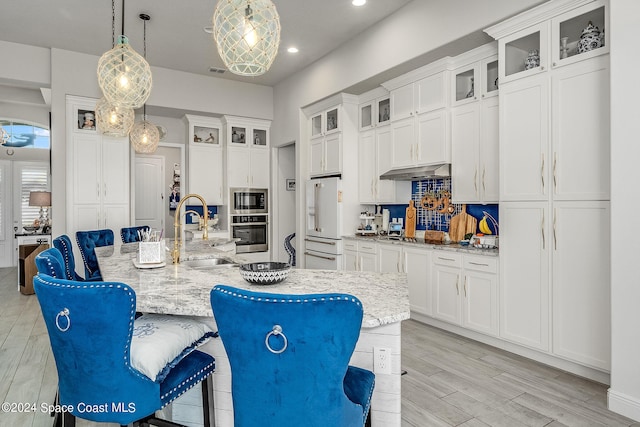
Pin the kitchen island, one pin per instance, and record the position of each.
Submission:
(183, 289)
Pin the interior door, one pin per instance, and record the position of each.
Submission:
(6, 227)
(149, 189)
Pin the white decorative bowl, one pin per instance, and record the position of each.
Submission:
(265, 273)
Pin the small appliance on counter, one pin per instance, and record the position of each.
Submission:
(395, 231)
(369, 227)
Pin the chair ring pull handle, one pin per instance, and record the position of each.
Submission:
(277, 330)
(63, 313)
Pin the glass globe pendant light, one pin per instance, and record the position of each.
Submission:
(144, 135)
(112, 120)
(123, 75)
(247, 35)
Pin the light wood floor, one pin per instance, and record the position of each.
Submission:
(450, 381)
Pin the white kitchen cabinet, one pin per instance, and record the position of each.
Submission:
(580, 135)
(360, 256)
(478, 79)
(330, 122)
(421, 140)
(424, 95)
(416, 263)
(446, 282)
(98, 176)
(524, 139)
(474, 152)
(581, 282)
(374, 153)
(525, 247)
(248, 161)
(205, 167)
(480, 294)
(375, 112)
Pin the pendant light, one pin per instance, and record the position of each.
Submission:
(112, 120)
(247, 35)
(123, 75)
(144, 135)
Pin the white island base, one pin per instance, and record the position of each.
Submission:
(183, 290)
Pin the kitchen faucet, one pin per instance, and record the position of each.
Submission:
(177, 241)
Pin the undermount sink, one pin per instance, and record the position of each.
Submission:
(209, 263)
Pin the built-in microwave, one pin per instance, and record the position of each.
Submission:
(249, 200)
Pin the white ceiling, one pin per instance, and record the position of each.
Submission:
(175, 34)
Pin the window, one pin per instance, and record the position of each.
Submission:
(25, 135)
(30, 176)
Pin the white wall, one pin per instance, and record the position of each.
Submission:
(624, 394)
(28, 64)
(419, 27)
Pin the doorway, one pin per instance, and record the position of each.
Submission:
(284, 191)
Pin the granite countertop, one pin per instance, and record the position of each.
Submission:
(184, 290)
(452, 247)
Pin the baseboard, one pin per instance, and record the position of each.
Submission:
(624, 404)
(546, 358)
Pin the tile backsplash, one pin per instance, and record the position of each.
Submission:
(432, 219)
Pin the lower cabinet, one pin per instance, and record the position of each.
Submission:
(359, 256)
(416, 263)
(465, 290)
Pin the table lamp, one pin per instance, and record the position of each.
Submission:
(42, 199)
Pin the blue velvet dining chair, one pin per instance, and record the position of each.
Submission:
(289, 357)
(88, 241)
(131, 234)
(110, 367)
(63, 244)
(51, 263)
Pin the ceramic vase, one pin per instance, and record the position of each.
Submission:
(532, 60)
(589, 39)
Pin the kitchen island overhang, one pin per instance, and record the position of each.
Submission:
(180, 289)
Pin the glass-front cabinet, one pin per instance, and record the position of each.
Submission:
(525, 52)
(579, 34)
(326, 122)
(375, 113)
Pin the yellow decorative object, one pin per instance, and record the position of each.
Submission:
(247, 35)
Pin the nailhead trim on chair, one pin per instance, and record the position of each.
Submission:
(132, 312)
(291, 300)
(197, 377)
(70, 274)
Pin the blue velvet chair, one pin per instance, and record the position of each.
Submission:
(63, 244)
(88, 241)
(51, 263)
(92, 332)
(130, 234)
(289, 357)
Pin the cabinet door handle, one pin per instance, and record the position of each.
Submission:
(544, 245)
(542, 172)
(465, 286)
(411, 151)
(98, 190)
(555, 163)
(478, 263)
(446, 259)
(484, 173)
(475, 181)
(373, 191)
(318, 256)
(555, 238)
(418, 152)
(457, 287)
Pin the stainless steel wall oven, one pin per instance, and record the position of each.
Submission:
(252, 232)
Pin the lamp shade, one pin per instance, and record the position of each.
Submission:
(40, 198)
(124, 76)
(113, 120)
(247, 35)
(144, 137)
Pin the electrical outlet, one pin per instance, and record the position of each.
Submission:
(381, 360)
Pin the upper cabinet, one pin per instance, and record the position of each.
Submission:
(205, 167)
(248, 163)
(549, 36)
(477, 78)
(376, 112)
(331, 122)
(420, 133)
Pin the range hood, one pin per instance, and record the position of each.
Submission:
(418, 172)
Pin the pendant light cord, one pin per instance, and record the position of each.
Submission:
(113, 24)
(122, 18)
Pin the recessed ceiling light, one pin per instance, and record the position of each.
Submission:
(358, 2)
(292, 50)
(208, 30)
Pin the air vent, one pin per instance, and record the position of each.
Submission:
(217, 70)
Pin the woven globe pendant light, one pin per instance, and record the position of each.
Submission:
(124, 76)
(112, 120)
(144, 137)
(247, 35)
